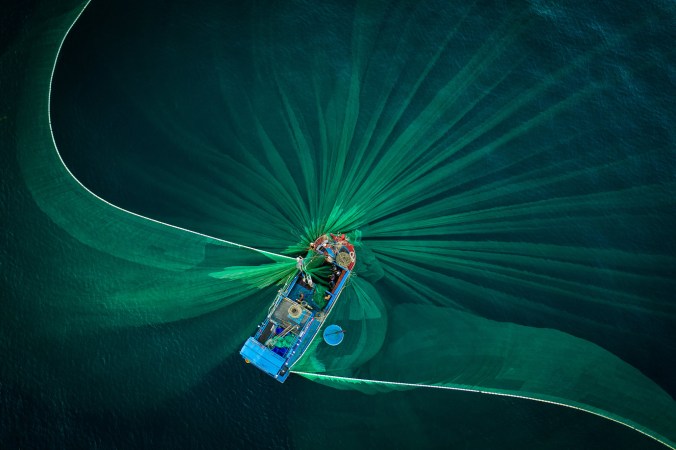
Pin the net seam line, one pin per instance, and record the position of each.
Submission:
(451, 388)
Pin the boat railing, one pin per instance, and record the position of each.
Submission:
(272, 305)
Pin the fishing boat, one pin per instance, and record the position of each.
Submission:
(301, 307)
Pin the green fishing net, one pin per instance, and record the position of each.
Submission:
(501, 248)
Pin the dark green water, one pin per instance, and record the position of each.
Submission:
(507, 171)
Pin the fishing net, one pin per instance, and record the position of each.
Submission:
(513, 233)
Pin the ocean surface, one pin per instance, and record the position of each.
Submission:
(506, 170)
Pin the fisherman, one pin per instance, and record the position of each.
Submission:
(299, 263)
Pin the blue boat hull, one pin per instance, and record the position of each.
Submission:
(294, 318)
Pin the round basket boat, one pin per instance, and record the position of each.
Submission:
(333, 335)
(343, 259)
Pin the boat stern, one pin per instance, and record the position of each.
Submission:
(265, 359)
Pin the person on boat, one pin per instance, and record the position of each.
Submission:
(299, 263)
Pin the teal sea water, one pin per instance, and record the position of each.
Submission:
(506, 170)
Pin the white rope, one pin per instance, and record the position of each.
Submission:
(451, 388)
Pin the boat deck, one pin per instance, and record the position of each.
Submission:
(282, 315)
(308, 294)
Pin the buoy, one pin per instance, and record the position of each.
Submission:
(334, 335)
